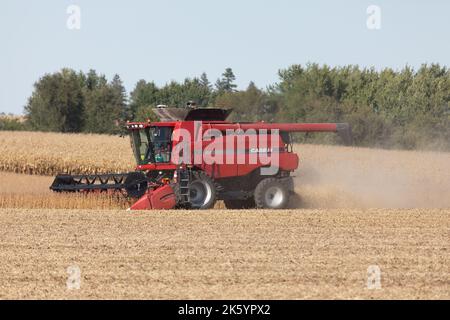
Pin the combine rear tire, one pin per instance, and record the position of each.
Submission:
(202, 191)
(240, 204)
(271, 193)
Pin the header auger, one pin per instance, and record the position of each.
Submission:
(194, 157)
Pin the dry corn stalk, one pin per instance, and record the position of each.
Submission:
(51, 153)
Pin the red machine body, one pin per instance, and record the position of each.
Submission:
(229, 154)
(288, 160)
(159, 198)
(194, 157)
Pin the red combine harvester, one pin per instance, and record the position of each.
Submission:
(194, 157)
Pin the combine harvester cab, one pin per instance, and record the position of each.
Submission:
(194, 157)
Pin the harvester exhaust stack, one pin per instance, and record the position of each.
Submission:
(344, 130)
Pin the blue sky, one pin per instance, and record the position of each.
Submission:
(170, 40)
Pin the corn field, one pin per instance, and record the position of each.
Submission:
(41, 153)
(64, 201)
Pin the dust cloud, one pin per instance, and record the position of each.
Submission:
(344, 177)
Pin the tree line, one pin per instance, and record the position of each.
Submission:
(387, 108)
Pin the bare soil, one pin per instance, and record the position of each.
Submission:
(225, 254)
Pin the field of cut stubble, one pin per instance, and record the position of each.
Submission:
(358, 207)
(224, 254)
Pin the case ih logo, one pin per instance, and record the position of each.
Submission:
(263, 150)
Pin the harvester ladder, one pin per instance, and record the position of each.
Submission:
(185, 180)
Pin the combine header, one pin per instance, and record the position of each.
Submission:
(194, 157)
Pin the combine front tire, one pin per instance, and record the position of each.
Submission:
(202, 192)
(272, 193)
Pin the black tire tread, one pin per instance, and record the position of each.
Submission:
(201, 175)
(262, 187)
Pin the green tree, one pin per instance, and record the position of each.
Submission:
(204, 81)
(196, 90)
(57, 102)
(12, 124)
(145, 113)
(403, 109)
(226, 82)
(176, 94)
(252, 104)
(388, 108)
(145, 94)
(106, 107)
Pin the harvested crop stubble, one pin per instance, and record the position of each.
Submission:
(46, 153)
(225, 254)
